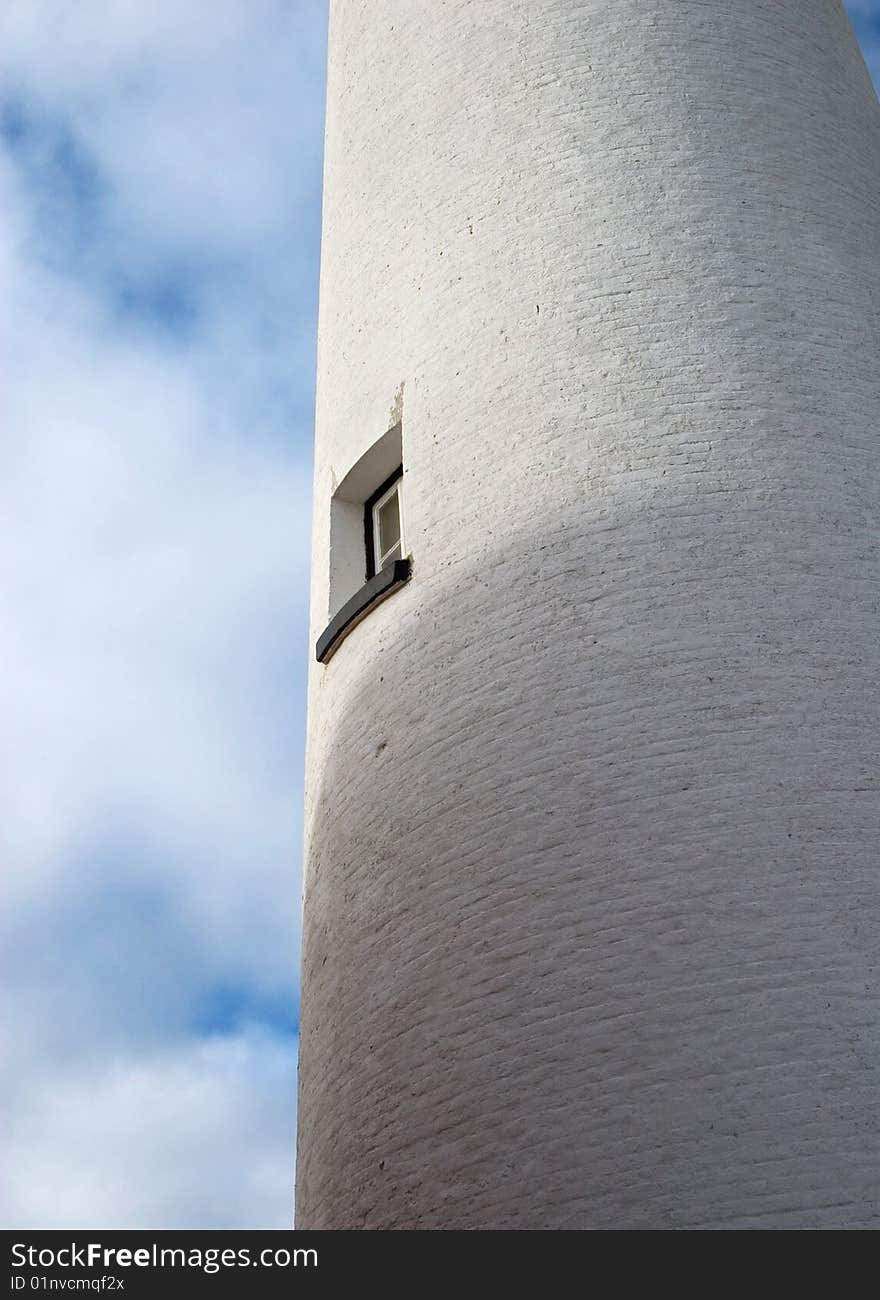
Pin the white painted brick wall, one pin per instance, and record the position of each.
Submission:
(591, 897)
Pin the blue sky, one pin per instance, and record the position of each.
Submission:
(160, 184)
(160, 188)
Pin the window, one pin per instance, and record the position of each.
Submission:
(368, 561)
(383, 524)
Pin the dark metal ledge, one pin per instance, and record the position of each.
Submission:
(371, 594)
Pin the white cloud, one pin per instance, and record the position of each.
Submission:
(150, 567)
(155, 485)
(204, 118)
(200, 1136)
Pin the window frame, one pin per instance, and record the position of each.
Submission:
(393, 483)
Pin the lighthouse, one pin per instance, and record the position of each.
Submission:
(591, 887)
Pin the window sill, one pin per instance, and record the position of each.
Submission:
(371, 594)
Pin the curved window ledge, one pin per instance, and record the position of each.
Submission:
(371, 594)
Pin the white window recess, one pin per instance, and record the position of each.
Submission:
(349, 552)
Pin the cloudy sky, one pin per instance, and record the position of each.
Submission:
(160, 178)
(160, 190)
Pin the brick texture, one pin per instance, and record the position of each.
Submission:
(592, 890)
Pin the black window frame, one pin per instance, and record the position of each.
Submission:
(370, 502)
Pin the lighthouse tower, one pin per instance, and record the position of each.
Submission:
(592, 881)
